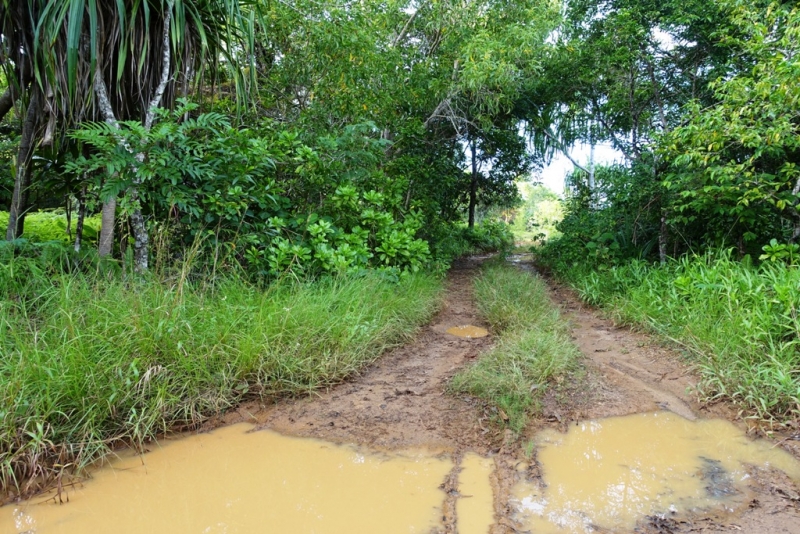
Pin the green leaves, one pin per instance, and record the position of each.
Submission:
(740, 154)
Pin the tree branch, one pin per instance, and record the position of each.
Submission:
(7, 101)
(165, 67)
(564, 150)
(405, 28)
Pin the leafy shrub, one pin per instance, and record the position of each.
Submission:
(261, 195)
(491, 236)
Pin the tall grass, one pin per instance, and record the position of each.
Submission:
(88, 363)
(739, 323)
(533, 350)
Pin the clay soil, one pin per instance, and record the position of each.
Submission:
(401, 402)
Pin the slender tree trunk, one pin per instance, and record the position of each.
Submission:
(662, 239)
(109, 211)
(138, 226)
(141, 240)
(68, 208)
(108, 218)
(592, 203)
(473, 186)
(22, 181)
(81, 217)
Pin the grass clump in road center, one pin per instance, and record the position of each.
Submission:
(88, 364)
(533, 350)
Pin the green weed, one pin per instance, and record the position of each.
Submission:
(533, 349)
(738, 323)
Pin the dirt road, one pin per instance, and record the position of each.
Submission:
(401, 402)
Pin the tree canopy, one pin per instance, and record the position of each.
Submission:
(255, 122)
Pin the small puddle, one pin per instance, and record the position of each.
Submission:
(233, 481)
(610, 473)
(468, 331)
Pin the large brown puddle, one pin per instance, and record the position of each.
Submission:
(231, 481)
(605, 474)
(612, 472)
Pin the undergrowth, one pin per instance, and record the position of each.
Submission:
(533, 349)
(457, 240)
(91, 362)
(737, 322)
(52, 226)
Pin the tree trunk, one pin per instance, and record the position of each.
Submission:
(662, 239)
(22, 181)
(108, 218)
(141, 239)
(473, 186)
(81, 217)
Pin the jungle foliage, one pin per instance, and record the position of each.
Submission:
(319, 137)
(694, 234)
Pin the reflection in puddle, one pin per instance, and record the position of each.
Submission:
(468, 331)
(612, 472)
(475, 506)
(234, 482)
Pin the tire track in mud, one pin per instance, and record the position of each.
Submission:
(400, 402)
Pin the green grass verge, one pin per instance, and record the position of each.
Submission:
(533, 349)
(738, 323)
(88, 364)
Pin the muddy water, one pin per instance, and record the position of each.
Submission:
(475, 505)
(233, 481)
(610, 473)
(468, 331)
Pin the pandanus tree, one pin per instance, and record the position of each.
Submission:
(69, 61)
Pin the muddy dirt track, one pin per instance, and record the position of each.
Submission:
(401, 402)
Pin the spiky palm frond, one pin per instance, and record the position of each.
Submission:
(60, 43)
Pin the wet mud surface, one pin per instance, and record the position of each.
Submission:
(401, 403)
(631, 373)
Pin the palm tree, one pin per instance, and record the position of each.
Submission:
(74, 60)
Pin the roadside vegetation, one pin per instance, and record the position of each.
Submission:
(694, 232)
(533, 352)
(90, 362)
(737, 323)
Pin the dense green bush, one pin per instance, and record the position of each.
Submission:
(451, 241)
(261, 195)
